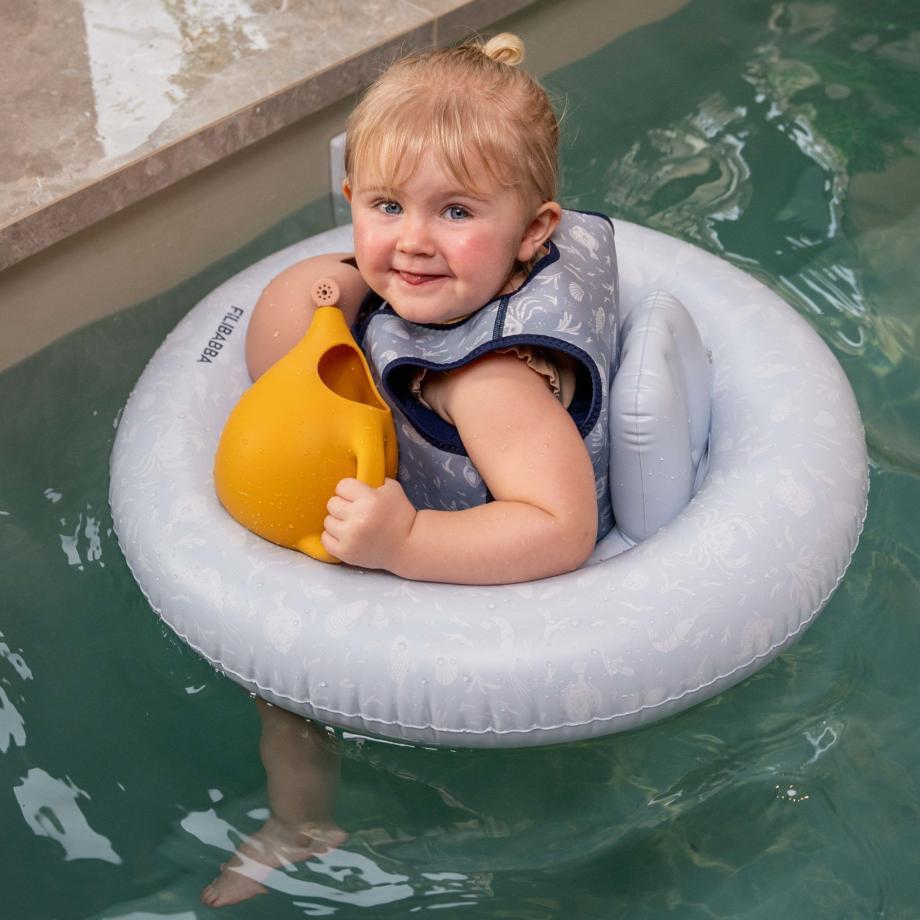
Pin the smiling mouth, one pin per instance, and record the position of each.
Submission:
(416, 280)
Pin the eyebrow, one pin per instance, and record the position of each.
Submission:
(392, 192)
(377, 190)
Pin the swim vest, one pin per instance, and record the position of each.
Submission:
(568, 303)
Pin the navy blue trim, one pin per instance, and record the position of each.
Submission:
(373, 303)
(456, 324)
(584, 409)
(500, 314)
(370, 305)
(552, 255)
(426, 422)
(606, 217)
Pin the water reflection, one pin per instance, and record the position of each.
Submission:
(295, 848)
(687, 177)
(82, 534)
(819, 108)
(302, 767)
(12, 724)
(793, 794)
(50, 808)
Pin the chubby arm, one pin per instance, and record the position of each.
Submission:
(284, 309)
(524, 443)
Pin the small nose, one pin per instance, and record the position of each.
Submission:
(414, 234)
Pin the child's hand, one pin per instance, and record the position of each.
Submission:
(367, 526)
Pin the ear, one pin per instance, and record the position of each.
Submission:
(539, 229)
(346, 190)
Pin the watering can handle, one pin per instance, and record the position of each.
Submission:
(371, 453)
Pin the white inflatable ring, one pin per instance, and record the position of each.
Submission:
(629, 638)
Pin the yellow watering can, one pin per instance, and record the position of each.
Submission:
(311, 419)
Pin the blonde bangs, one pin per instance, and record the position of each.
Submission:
(488, 124)
(386, 151)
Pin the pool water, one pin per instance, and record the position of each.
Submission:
(784, 137)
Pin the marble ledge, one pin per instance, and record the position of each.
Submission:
(195, 138)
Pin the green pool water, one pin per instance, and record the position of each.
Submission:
(784, 137)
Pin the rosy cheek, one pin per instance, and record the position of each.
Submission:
(491, 259)
(474, 249)
(368, 244)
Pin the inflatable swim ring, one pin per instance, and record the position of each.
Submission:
(638, 633)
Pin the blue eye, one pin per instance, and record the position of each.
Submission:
(456, 212)
(389, 207)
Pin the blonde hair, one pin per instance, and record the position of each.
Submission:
(471, 107)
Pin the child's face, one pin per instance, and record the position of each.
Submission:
(432, 249)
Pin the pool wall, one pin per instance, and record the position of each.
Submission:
(80, 268)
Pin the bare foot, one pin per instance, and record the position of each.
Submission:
(273, 846)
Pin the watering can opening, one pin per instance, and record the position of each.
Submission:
(343, 372)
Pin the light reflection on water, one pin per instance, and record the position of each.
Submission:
(782, 136)
(798, 162)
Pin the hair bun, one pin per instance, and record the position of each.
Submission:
(505, 48)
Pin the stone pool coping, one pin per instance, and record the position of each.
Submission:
(223, 84)
(84, 235)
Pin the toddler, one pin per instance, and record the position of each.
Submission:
(489, 322)
(488, 315)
